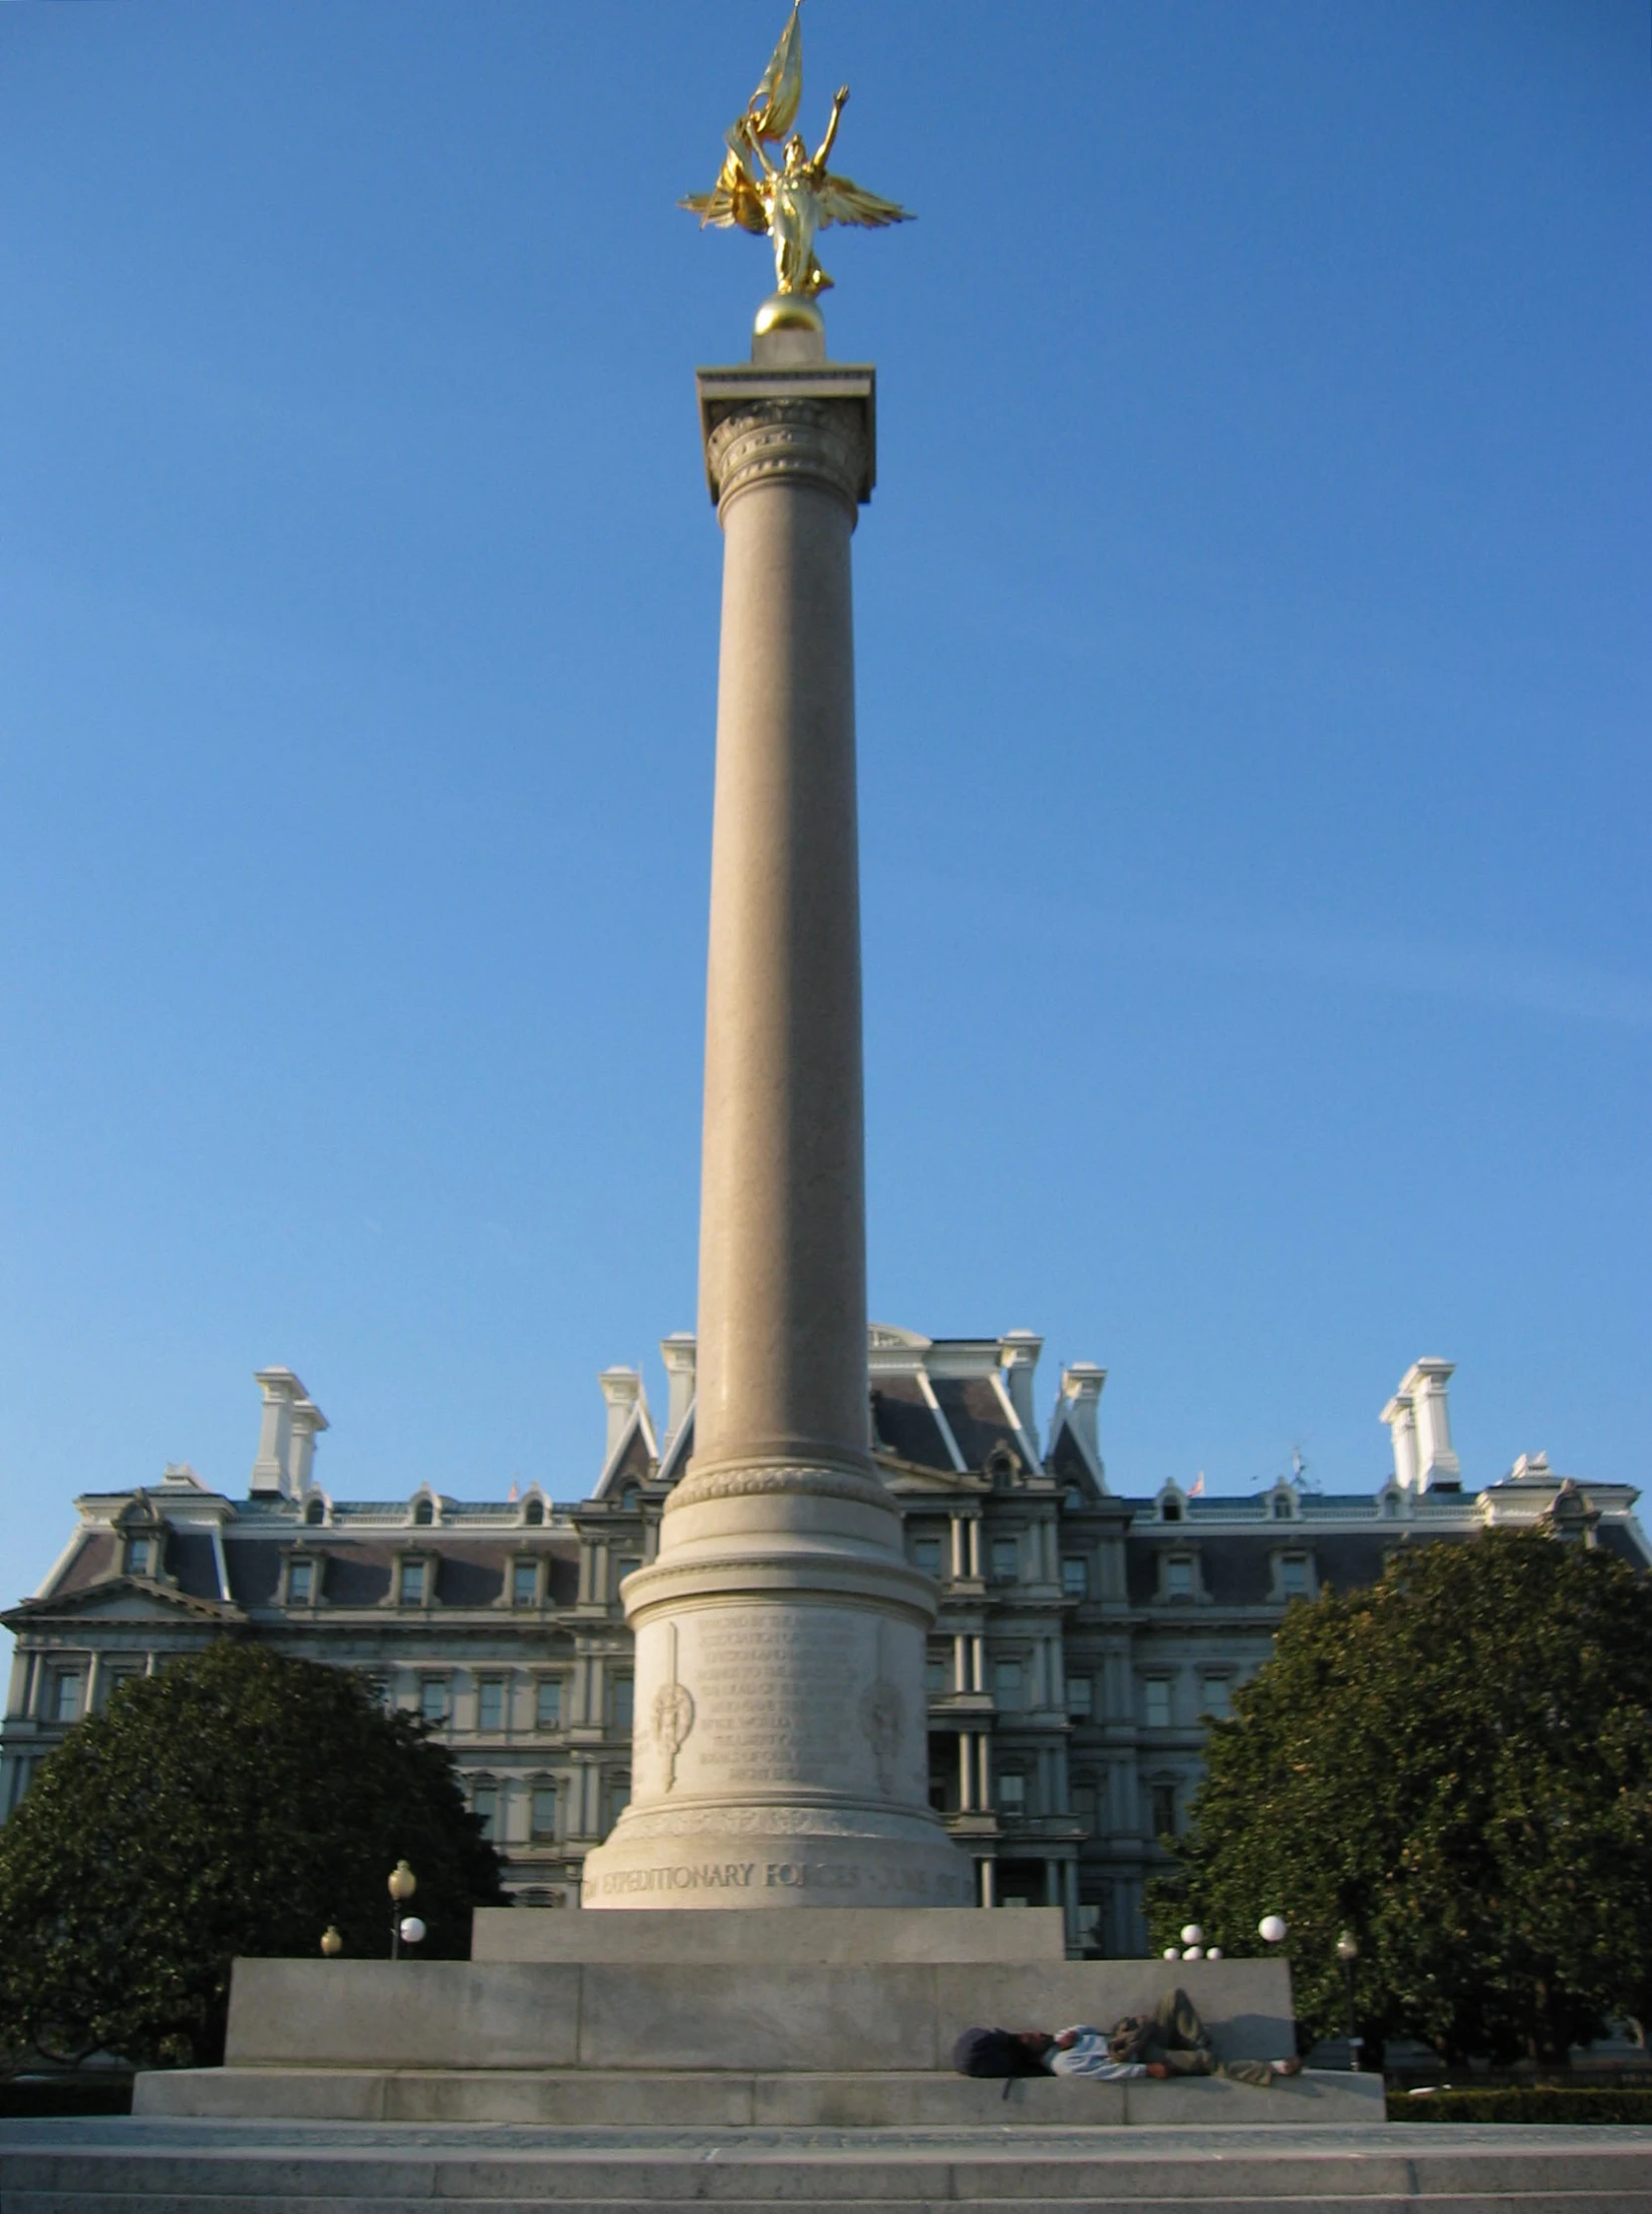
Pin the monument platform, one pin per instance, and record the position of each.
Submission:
(838, 2018)
(119, 2166)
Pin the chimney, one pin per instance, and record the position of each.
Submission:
(1437, 1466)
(308, 1421)
(1401, 1417)
(622, 1388)
(1081, 1389)
(678, 1353)
(1018, 1352)
(272, 1471)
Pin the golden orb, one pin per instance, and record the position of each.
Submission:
(403, 1883)
(788, 311)
(331, 1942)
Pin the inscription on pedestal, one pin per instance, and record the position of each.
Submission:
(770, 1695)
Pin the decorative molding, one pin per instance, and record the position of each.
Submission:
(744, 1483)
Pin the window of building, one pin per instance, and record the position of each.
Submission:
(1391, 1504)
(64, 1695)
(1162, 1797)
(316, 1513)
(1011, 1792)
(1281, 1506)
(1178, 1578)
(1007, 1682)
(625, 1700)
(631, 1498)
(139, 1556)
(490, 1703)
(1293, 1576)
(629, 1563)
(1086, 1807)
(547, 1704)
(425, 1514)
(938, 1675)
(544, 1807)
(1075, 1577)
(1072, 1496)
(619, 1796)
(1006, 1559)
(300, 1583)
(925, 1554)
(1217, 1698)
(1156, 1702)
(1081, 1697)
(117, 1673)
(524, 1583)
(433, 1699)
(414, 1580)
(534, 1513)
(484, 1803)
(1169, 1511)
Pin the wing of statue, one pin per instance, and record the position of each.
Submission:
(733, 199)
(773, 107)
(843, 202)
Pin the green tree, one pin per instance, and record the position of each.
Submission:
(1455, 1764)
(234, 1804)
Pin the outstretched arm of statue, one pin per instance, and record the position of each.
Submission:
(819, 163)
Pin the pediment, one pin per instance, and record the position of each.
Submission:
(120, 1600)
(910, 1476)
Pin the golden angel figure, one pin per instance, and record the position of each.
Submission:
(792, 198)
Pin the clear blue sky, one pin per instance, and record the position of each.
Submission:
(1254, 703)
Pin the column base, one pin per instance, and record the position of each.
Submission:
(776, 1856)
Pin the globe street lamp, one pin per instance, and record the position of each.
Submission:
(1347, 1951)
(331, 1942)
(403, 1884)
(1273, 1928)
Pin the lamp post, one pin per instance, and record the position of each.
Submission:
(403, 1884)
(1347, 1951)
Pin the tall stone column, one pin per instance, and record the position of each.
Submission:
(780, 1754)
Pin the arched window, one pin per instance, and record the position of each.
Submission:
(1171, 1511)
(315, 1511)
(631, 1498)
(424, 1513)
(534, 1513)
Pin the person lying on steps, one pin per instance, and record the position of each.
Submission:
(1171, 2041)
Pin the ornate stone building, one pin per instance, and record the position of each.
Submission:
(1085, 1638)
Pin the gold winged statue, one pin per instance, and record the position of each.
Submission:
(794, 197)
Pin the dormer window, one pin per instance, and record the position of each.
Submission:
(1171, 1511)
(300, 1583)
(314, 1512)
(412, 1582)
(1285, 1507)
(1294, 1580)
(1001, 1469)
(1178, 1577)
(524, 1583)
(424, 1514)
(140, 1557)
(534, 1513)
(631, 1498)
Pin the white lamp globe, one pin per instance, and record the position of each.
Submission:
(1214, 1952)
(1272, 1927)
(1171, 1952)
(1193, 1935)
(1194, 1952)
(412, 1930)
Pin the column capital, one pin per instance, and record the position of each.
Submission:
(817, 424)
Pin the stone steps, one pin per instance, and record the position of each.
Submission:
(898, 2098)
(134, 2167)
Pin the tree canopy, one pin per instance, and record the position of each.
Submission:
(1454, 1765)
(236, 1803)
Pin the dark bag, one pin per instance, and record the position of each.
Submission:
(994, 2053)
